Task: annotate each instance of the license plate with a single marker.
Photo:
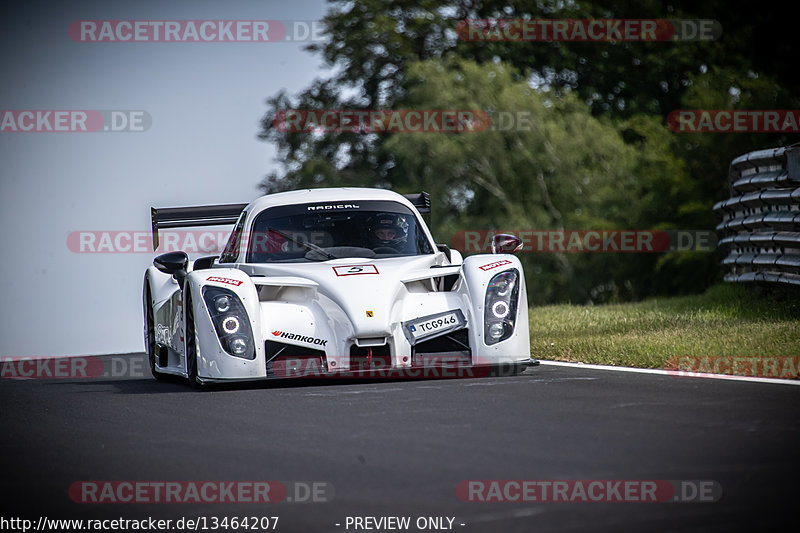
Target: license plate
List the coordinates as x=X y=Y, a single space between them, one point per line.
x=429 y=326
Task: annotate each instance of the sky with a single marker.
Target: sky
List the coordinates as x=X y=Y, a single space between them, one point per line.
x=204 y=102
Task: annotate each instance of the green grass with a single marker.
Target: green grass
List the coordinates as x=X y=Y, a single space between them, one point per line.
x=728 y=320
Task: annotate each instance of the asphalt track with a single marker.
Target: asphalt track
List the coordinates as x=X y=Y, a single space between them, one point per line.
x=401 y=448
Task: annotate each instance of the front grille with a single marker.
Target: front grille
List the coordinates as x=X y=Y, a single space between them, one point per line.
x=370 y=357
x=455 y=341
x=288 y=360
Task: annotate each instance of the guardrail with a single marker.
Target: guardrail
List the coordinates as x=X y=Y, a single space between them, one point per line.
x=761 y=220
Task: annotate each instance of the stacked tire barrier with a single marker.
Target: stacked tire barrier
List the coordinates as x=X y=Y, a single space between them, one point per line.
x=760 y=225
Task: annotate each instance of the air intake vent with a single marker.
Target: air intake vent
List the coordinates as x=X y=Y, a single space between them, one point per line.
x=450 y=349
x=289 y=360
x=370 y=357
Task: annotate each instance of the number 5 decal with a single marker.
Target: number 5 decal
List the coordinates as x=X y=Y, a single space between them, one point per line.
x=355 y=270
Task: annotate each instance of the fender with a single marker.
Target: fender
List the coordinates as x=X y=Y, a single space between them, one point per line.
x=162 y=286
x=477 y=271
x=213 y=361
x=165 y=301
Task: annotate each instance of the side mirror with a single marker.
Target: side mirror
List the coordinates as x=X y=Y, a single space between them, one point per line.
x=204 y=262
x=173 y=263
x=503 y=243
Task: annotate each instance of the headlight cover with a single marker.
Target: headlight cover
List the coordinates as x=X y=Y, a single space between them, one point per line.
x=500 y=307
x=230 y=321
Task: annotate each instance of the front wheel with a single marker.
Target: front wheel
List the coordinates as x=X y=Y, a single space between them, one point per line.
x=150 y=333
x=191 y=346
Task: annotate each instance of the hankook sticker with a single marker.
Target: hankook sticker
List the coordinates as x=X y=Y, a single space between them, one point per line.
x=298 y=337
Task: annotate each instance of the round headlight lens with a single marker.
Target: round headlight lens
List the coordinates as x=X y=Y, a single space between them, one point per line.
x=502 y=285
x=238 y=345
x=230 y=325
x=500 y=309
x=496 y=330
x=222 y=304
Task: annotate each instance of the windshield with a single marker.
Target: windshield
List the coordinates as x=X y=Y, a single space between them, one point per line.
x=332 y=230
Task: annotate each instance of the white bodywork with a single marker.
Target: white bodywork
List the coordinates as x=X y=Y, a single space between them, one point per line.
x=335 y=308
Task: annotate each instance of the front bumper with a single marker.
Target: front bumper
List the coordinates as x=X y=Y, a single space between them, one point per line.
x=442 y=371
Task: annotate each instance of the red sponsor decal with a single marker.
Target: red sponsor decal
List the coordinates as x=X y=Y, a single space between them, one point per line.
x=355 y=270
x=229 y=281
x=177 y=492
x=495 y=264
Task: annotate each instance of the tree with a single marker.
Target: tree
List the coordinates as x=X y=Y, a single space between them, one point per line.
x=392 y=54
x=558 y=168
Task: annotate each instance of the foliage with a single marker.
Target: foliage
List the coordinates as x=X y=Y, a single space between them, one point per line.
x=598 y=154
x=727 y=320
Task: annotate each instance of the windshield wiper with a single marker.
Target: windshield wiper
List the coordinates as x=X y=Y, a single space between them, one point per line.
x=307 y=245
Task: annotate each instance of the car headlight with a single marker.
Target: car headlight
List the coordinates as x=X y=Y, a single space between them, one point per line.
x=222 y=303
x=500 y=306
x=230 y=322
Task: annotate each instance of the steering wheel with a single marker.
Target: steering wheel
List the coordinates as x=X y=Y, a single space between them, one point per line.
x=385 y=250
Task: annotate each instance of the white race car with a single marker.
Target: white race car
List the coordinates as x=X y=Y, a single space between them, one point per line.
x=331 y=282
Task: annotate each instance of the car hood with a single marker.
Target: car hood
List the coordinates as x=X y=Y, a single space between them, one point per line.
x=371 y=292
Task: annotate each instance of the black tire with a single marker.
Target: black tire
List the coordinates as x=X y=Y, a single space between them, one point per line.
x=191 y=343
x=150 y=335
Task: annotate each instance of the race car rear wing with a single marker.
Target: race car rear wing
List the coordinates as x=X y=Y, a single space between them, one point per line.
x=421 y=201
x=219 y=215
x=185 y=217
